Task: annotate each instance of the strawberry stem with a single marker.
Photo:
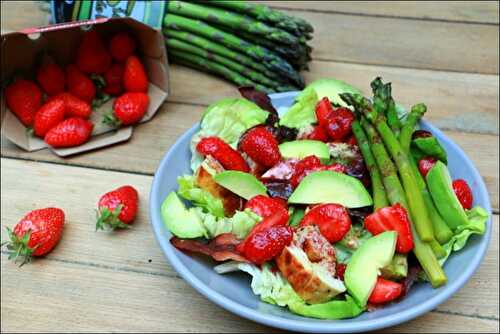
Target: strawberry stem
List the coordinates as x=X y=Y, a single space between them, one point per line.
x=110 y=119
x=109 y=219
x=17 y=247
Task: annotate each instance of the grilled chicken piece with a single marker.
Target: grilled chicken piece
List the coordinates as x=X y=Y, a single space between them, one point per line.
x=205 y=181
x=308 y=263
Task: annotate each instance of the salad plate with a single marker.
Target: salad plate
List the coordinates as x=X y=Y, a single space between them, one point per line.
x=233 y=291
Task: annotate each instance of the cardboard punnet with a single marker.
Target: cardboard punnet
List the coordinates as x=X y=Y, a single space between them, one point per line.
x=23 y=51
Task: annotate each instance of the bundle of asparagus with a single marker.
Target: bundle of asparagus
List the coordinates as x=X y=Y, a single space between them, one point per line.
x=248 y=44
x=381 y=136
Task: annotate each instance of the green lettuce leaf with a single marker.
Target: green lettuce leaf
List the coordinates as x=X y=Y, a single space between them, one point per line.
x=273 y=288
x=199 y=197
x=227 y=119
x=302 y=113
x=477 y=218
x=239 y=224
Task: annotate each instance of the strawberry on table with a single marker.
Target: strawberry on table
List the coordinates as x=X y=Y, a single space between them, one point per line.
x=228 y=157
x=392 y=218
x=117 y=208
x=261 y=146
x=128 y=109
x=71 y=132
x=48 y=116
x=121 y=46
x=134 y=76
x=92 y=55
x=51 y=78
x=23 y=98
x=79 y=84
x=74 y=106
x=114 y=78
x=463 y=192
x=332 y=219
x=265 y=206
x=36 y=234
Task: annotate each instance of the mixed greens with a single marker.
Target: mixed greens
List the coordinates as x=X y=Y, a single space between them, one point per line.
x=335 y=207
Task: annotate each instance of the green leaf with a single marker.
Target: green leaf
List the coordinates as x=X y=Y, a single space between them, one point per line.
x=199 y=197
x=302 y=114
x=239 y=224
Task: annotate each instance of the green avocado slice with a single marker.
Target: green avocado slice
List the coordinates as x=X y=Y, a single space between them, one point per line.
x=180 y=221
x=242 y=184
x=302 y=148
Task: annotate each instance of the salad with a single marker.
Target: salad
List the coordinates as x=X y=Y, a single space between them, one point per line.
x=335 y=207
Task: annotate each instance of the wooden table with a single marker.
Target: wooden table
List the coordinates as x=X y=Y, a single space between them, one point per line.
x=444 y=54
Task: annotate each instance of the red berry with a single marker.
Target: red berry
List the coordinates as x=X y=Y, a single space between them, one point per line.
x=261 y=146
x=340 y=270
x=36 y=234
x=265 y=206
x=134 y=76
x=425 y=165
x=301 y=167
x=48 y=116
x=121 y=46
x=351 y=140
x=74 y=106
x=332 y=219
x=324 y=111
x=228 y=157
x=318 y=133
x=463 y=192
x=392 y=218
x=265 y=245
x=79 y=84
x=51 y=78
x=421 y=134
x=73 y=131
x=339 y=124
x=23 y=98
x=117 y=208
x=130 y=107
x=114 y=78
x=92 y=55
x=385 y=291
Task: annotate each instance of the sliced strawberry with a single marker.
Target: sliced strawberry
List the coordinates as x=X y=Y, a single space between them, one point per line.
x=324 y=111
x=463 y=192
x=385 y=291
x=261 y=146
x=339 y=124
x=392 y=218
x=228 y=157
x=425 y=165
x=332 y=219
x=301 y=167
x=265 y=206
x=318 y=133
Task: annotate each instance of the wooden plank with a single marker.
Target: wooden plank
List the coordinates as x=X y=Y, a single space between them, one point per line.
x=136 y=250
x=152 y=140
x=378 y=40
x=462 y=11
x=456 y=101
x=89 y=299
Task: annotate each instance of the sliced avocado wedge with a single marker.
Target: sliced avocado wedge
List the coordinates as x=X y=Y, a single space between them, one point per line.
x=331 y=88
x=362 y=270
x=180 y=221
x=242 y=184
x=397 y=269
x=332 y=310
x=447 y=203
x=331 y=187
x=302 y=148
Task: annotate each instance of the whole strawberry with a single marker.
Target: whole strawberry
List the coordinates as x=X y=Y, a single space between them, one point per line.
x=114 y=80
x=92 y=55
x=36 y=234
x=71 y=132
x=79 y=84
x=23 y=98
x=51 y=78
x=128 y=109
x=122 y=46
x=261 y=146
x=117 y=208
x=134 y=76
x=74 y=106
x=48 y=116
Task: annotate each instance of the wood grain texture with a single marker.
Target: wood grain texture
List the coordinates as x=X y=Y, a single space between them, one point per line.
x=461 y=11
x=130 y=251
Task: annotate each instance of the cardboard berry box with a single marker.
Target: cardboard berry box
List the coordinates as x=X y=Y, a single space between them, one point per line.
x=23 y=51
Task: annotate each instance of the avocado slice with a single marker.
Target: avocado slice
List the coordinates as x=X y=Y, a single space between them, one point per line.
x=332 y=310
x=362 y=270
x=331 y=187
x=180 y=221
x=243 y=184
x=397 y=269
x=447 y=203
x=302 y=148
x=331 y=88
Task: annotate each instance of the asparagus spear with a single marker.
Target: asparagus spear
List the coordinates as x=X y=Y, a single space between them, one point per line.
x=383 y=97
x=379 y=196
x=231 y=20
x=396 y=194
x=175 y=44
x=209 y=66
x=293 y=24
x=442 y=232
x=269 y=59
x=418 y=211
